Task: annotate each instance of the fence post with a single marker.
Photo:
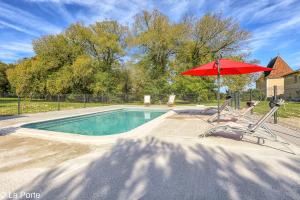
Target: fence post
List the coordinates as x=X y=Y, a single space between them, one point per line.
x=19 y=105
x=84 y=100
x=230 y=94
x=275 y=98
x=250 y=99
x=238 y=99
x=235 y=103
x=58 y=102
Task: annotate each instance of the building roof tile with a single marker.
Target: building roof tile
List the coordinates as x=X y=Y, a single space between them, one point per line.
x=280 y=68
x=293 y=72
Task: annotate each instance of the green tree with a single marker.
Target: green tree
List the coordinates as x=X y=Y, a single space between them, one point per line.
x=60 y=82
x=20 y=77
x=55 y=51
x=211 y=35
x=102 y=83
x=50 y=68
x=109 y=38
x=156 y=39
x=82 y=74
x=80 y=38
x=105 y=43
x=4 y=84
x=205 y=39
x=90 y=59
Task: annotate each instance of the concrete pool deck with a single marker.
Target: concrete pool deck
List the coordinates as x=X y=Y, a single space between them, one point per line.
x=170 y=162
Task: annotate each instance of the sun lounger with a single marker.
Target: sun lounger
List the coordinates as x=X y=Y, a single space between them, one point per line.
x=147 y=100
x=251 y=129
x=171 y=101
x=238 y=115
x=223 y=107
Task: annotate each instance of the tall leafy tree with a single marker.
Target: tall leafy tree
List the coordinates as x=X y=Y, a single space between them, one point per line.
x=60 y=82
x=90 y=59
x=20 y=77
x=206 y=38
x=54 y=55
x=82 y=74
x=156 y=40
x=109 y=38
x=4 y=84
x=55 y=51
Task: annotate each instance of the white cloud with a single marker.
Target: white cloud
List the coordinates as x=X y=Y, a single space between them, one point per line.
x=268 y=33
x=267 y=11
x=222 y=6
x=23 y=20
x=11 y=51
x=256 y=11
x=17 y=47
x=269 y=20
x=99 y=10
x=294 y=59
x=179 y=8
x=66 y=1
x=7 y=56
x=17 y=28
x=92 y=4
x=56 y=9
x=123 y=11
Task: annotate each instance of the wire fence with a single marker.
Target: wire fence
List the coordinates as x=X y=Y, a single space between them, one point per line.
x=14 y=105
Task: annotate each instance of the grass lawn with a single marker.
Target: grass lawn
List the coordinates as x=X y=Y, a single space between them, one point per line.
x=9 y=106
x=289 y=109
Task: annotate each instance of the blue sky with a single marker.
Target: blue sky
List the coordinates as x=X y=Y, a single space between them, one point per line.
x=275 y=24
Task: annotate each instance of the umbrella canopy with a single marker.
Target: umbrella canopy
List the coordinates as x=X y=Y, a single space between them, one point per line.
x=227 y=67
x=224 y=67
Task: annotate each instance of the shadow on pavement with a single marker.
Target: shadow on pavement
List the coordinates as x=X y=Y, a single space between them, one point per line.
x=155 y=169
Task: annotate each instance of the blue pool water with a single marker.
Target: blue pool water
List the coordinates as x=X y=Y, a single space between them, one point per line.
x=103 y=123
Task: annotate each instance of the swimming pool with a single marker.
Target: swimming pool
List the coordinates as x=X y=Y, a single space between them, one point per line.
x=102 y=123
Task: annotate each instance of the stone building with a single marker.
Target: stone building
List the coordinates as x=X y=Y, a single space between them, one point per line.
x=268 y=80
x=292 y=85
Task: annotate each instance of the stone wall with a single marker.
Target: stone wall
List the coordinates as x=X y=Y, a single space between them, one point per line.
x=279 y=82
x=292 y=86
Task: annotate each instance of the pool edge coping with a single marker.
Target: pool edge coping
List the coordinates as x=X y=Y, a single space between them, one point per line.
x=138 y=132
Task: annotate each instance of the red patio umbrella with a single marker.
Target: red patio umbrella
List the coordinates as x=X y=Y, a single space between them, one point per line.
x=224 y=67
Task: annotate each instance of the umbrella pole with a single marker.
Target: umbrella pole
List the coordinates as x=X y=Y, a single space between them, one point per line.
x=218 y=95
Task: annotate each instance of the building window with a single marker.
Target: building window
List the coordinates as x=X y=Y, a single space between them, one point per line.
x=295 y=79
